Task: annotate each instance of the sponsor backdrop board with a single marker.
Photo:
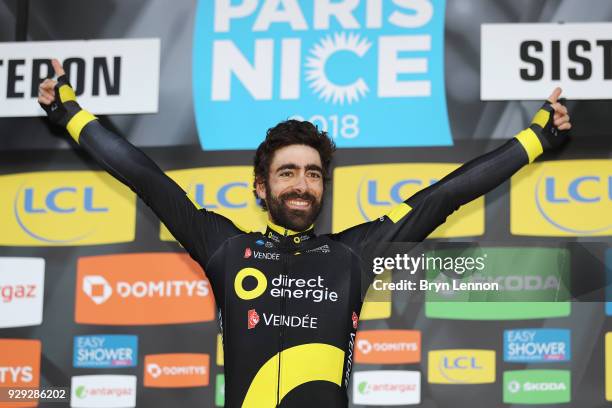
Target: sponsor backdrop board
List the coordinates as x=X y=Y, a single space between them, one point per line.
x=105 y=351
x=96 y=295
x=532 y=282
x=110 y=391
x=537 y=387
x=20 y=360
x=147 y=289
x=461 y=366
x=22 y=281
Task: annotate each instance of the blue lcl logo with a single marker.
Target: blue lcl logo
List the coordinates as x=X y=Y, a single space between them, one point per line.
x=222 y=196
x=55 y=201
x=575 y=190
x=461 y=363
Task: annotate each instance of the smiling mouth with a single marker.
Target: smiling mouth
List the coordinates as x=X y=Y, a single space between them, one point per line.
x=297 y=204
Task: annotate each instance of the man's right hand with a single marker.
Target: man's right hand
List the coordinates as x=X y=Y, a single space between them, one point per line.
x=46 y=91
x=58 y=98
x=59 y=101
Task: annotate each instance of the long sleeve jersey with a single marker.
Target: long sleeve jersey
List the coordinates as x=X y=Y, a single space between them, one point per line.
x=289 y=301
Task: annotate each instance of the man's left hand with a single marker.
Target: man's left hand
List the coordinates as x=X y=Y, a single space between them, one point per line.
x=552 y=122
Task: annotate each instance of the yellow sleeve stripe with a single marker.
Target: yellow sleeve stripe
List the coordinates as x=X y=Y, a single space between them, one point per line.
x=398 y=212
x=77 y=123
x=66 y=93
x=541 y=118
x=530 y=143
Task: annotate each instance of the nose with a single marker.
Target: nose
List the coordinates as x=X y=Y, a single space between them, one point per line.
x=300 y=185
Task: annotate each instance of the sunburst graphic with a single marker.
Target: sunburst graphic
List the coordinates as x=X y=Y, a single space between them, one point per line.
x=315 y=68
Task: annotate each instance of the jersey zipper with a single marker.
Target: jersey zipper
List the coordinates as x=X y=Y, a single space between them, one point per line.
x=282 y=326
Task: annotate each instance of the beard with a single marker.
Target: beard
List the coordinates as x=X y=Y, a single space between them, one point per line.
x=293 y=219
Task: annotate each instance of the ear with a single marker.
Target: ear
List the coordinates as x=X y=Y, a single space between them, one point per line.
x=260 y=188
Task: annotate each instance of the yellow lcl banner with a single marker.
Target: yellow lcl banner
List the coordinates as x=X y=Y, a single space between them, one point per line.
x=65 y=208
x=364 y=193
x=228 y=191
x=563 y=198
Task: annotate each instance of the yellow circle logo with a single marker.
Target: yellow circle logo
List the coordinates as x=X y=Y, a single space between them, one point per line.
x=262 y=283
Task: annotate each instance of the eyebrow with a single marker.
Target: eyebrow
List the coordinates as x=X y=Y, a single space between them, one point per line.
x=293 y=166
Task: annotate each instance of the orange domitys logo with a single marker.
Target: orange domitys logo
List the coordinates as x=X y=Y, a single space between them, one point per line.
x=65 y=208
x=388 y=347
x=19 y=366
x=176 y=370
x=142 y=289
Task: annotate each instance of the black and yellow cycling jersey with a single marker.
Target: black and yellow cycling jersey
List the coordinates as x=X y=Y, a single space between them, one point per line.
x=289 y=302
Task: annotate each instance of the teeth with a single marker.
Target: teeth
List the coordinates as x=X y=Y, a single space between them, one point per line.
x=298 y=203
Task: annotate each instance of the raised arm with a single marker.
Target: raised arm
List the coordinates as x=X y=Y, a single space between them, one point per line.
x=415 y=218
x=199 y=231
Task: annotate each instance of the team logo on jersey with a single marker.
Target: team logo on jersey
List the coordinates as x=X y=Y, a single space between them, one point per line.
x=313 y=289
x=307 y=321
x=270 y=256
x=252 y=319
x=355 y=320
x=323 y=249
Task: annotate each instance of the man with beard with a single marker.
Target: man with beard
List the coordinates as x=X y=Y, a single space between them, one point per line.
x=289 y=299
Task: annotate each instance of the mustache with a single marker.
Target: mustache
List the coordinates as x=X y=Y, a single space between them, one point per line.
x=294 y=195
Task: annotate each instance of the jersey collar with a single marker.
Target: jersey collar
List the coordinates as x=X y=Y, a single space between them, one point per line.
x=281 y=234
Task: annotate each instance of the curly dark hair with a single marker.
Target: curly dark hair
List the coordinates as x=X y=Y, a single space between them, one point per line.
x=286 y=133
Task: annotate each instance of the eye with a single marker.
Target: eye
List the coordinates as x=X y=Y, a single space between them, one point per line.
x=286 y=173
x=314 y=174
